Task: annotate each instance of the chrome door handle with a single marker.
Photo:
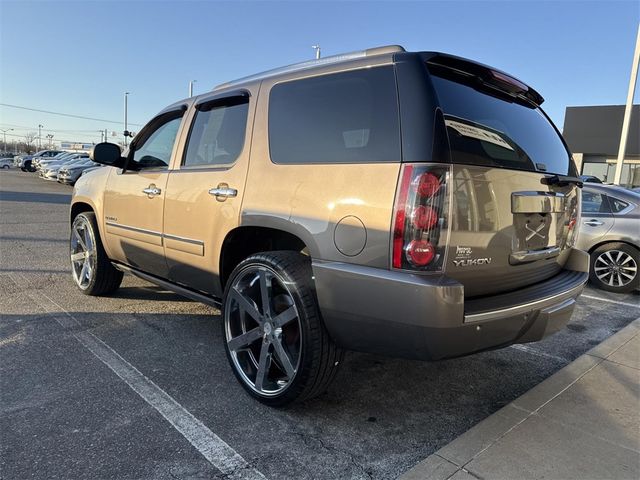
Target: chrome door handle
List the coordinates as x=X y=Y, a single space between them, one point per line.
x=223 y=191
x=152 y=190
x=593 y=223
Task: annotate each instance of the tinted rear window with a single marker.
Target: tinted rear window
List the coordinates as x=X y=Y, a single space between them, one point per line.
x=349 y=117
x=490 y=131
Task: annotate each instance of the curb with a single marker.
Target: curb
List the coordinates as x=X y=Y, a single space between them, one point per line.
x=449 y=462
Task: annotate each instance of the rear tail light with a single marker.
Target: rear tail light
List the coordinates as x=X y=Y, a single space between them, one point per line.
x=420 y=218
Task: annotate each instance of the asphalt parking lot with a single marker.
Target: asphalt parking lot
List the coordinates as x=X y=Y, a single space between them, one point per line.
x=66 y=413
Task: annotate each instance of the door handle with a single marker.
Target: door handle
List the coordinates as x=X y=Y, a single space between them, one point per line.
x=223 y=191
x=152 y=190
x=594 y=223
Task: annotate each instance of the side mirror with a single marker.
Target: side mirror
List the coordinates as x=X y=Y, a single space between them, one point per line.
x=107 y=154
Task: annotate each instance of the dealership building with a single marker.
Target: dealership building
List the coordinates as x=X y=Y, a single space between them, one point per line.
x=593 y=135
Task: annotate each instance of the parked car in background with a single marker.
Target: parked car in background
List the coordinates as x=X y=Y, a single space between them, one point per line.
x=50 y=172
x=590 y=179
x=610 y=233
x=451 y=235
x=69 y=174
x=6 y=162
x=21 y=160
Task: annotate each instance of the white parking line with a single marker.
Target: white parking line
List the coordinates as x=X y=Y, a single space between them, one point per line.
x=626 y=304
x=538 y=353
x=213 y=448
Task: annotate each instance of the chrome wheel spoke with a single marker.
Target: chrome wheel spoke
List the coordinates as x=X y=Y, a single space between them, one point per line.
x=262 y=365
x=611 y=260
x=244 y=340
x=83 y=272
x=245 y=305
x=77 y=257
x=79 y=239
x=284 y=358
x=285 y=317
x=265 y=293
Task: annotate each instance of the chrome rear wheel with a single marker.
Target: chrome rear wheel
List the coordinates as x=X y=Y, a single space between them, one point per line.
x=615 y=268
x=262 y=327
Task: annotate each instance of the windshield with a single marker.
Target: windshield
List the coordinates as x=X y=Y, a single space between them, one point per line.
x=496 y=132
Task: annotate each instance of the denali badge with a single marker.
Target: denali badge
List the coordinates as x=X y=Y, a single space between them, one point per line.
x=472 y=261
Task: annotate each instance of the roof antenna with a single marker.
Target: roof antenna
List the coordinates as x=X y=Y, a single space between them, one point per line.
x=317 y=49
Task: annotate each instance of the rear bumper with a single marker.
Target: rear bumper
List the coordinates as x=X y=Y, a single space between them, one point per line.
x=426 y=317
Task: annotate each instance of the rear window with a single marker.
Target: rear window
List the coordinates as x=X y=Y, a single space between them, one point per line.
x=490 y=131
x=347 y=117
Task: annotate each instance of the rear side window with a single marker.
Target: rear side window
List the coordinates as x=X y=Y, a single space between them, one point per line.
x=218 y=132
x=617 y=205
x=348 y=117
x=490 y=131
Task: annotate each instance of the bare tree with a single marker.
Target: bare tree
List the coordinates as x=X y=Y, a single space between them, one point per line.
x=28 y=140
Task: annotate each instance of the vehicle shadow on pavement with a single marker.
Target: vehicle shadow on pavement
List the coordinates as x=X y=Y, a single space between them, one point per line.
x=12 y=196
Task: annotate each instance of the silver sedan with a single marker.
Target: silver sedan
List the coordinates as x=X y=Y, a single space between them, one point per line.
x=610 y=232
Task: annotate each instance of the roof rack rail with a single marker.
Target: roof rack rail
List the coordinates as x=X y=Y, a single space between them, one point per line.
x=343 y=57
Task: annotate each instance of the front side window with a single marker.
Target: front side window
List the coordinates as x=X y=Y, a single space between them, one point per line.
x=218 y=132
x=347 y=117
x=154 y=150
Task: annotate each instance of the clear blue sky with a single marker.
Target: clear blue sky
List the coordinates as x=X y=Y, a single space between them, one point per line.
x=79 y=57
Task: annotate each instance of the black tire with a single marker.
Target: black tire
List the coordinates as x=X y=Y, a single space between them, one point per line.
x=611 y=265
x=318 y=358
x=103 y=278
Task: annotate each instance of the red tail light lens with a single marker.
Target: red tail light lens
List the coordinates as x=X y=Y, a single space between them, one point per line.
x=427 y=184
x=424 y=217
x=420 y=252
x=420 y=218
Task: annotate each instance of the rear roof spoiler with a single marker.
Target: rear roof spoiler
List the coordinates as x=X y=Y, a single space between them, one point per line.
x=488 y=75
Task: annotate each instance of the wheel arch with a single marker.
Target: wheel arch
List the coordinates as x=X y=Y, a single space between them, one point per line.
x=604 y=242
x=244 y=241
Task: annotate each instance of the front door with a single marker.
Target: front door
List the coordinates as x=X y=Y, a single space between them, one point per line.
x=204 y=190
x=134 y=198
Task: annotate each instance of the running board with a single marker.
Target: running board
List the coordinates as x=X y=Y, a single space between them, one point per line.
x=185 y=292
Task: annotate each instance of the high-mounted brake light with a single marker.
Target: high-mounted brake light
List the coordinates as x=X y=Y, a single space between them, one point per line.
x=420 y=218
x=508 y=82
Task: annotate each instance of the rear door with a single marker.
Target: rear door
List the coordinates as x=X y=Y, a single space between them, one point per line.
x=205 y=189
x=509 y=226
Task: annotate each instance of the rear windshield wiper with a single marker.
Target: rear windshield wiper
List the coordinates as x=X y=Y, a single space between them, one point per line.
x=561 y=181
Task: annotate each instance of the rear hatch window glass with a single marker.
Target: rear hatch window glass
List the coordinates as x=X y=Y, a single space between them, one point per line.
x=490 y=131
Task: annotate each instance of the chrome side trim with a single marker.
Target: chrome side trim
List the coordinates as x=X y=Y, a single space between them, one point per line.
x=526 y=307
x=183 y=239
x=134 y=229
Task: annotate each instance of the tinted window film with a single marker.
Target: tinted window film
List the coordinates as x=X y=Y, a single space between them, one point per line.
x=349 y=117
x=491 y=131
x=217 y=135
x=155 y=151
x=594 y=203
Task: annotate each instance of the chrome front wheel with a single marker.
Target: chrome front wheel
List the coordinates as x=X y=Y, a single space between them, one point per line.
x=83 y=252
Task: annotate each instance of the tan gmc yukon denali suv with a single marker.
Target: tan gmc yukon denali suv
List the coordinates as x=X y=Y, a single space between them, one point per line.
x=412 y=204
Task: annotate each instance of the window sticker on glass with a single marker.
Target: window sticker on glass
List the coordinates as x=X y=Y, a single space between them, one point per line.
x=477 y=132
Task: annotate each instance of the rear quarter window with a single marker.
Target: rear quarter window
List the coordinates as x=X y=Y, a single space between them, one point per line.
x=347 y=117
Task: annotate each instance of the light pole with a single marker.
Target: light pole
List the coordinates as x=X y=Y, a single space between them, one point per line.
x=50 y=137
x=191 y=87
x=317 y=49
x=126 y=133
x=40 y=136
x=4 y=132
